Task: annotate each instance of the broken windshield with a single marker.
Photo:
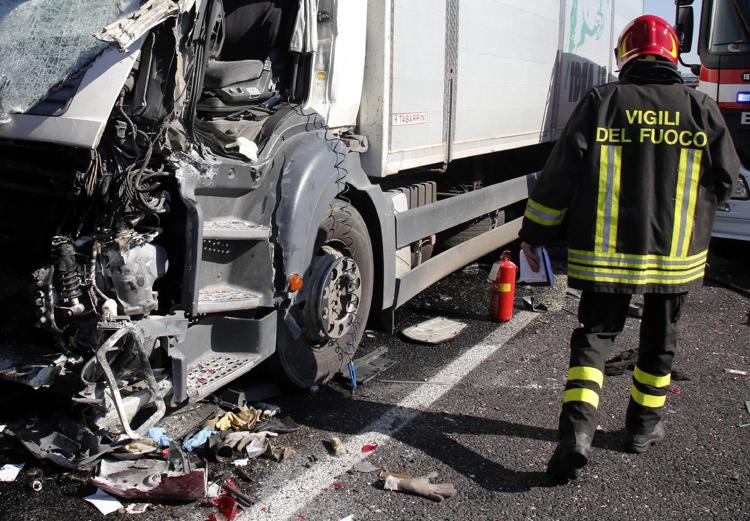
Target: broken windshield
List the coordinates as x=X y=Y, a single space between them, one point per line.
x=730 y=30
x=45 y=42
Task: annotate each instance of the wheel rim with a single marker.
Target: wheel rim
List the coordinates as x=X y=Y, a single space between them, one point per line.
x=336 y=294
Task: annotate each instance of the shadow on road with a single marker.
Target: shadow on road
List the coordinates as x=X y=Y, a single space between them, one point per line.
x=433 y=434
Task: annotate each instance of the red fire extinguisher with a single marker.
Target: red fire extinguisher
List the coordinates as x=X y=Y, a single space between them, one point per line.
x=502 y=289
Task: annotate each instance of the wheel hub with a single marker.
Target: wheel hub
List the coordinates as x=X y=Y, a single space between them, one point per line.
x=337 y=293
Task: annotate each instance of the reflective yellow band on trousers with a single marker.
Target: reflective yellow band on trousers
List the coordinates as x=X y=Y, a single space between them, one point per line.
x=652 y=380
x=581 y=395
x=592 y=374
x=647 y=400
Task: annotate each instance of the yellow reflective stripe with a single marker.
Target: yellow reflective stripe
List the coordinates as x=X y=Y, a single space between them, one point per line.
x=615 y=200
x=637 y=256
x=647 y=400
x=545 y=209
x=693 y=195
x=679 y=196
x=529 y=214
x=543 y=215
x=581 y=395
x=592 y=374
x=650 y=379
x=601 y=201
x=637 y=278
x=665 y=264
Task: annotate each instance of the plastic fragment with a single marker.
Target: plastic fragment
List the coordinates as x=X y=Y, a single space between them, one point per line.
x=338 y=485
x=103 y=502
x=369 y=447
x=675 y=390
x=136 y=508
x=227 y=506
x=198 y=439
x=736 y=371
x=9 y=472
x=364 y=467
x=336 y=446
x=159 y=435
x=350 y=517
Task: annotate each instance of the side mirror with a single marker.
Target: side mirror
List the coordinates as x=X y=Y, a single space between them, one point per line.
x=684 y=27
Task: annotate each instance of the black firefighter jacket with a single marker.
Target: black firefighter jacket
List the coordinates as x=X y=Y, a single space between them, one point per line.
x=636 y=176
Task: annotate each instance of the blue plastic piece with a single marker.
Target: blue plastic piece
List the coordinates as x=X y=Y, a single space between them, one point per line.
x=352 y=375
x=159 y=435
x=198 y=439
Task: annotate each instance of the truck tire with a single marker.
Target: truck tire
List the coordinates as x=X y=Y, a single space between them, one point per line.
x=335 y=303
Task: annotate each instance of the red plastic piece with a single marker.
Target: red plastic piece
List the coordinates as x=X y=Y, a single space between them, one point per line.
x=338 y=486
x=369 y=447
x=503 y=290
x=227 y=507
x=675 y=390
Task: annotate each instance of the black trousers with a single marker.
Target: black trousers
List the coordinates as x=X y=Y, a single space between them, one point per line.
x=602 y=317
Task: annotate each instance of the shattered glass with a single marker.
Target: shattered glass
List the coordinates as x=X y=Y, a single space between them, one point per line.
x=45 y=42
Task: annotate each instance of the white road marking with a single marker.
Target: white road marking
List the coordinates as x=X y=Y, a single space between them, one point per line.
x=291 y=498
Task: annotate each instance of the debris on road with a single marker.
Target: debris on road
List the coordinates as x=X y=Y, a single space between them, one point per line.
x=151 y=478
x=747 y=406
x=336 y=447
x=103 y=502
x=159 y=435
x=383 y=474
x=37 y=485
x=369 y=447
x=618 y=364
x=736 y=372
x=279 y=453
x=245 y=419
x=421 y=486
x=198 y=439
x=434 y=331
x=9 y=472
x=364 y=467
x=350 y=517
x=136 y=508
x=369 y=366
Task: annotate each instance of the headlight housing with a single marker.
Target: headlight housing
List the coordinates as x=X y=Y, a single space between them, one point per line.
x=741 y=190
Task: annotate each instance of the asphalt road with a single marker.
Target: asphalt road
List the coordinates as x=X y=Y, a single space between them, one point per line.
x=482 y=411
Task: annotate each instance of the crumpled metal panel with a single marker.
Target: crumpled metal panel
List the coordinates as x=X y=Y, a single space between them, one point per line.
x=150 y=478
x=45 y=42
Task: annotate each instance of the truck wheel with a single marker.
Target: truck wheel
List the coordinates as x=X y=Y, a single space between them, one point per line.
x=333 y=306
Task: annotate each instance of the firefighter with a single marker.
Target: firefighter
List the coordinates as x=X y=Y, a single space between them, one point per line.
x=636 y=175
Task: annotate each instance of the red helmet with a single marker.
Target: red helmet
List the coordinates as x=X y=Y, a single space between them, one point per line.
x=647 y=34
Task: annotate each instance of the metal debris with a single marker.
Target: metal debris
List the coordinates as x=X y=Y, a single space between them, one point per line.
x=369 y=366
x=150 y=478
x=434 y=331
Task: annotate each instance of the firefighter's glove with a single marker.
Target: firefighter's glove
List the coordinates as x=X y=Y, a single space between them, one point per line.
x=421 y=486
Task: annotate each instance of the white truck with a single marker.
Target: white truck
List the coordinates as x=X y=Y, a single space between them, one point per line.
x=205 y=184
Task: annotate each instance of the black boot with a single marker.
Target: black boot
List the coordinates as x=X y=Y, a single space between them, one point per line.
x=570 y=456
x=640 y=443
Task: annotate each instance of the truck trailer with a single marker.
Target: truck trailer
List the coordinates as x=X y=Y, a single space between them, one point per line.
x=190 y=188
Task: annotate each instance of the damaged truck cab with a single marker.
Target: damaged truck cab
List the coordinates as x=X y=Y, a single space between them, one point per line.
x=191 y=187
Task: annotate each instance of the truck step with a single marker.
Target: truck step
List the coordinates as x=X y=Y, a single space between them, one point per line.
x=235 y=229
x=222 y=297
x=214 y=370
